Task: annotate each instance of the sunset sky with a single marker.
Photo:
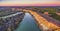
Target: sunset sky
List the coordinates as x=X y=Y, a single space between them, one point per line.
x=29 y=2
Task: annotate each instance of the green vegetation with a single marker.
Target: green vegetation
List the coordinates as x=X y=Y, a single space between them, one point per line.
x=54 y=15
x=51 y=11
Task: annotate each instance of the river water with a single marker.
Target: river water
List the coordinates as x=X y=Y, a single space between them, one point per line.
x=28 y=24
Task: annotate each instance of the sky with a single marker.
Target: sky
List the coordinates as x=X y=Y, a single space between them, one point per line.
x=29 y=2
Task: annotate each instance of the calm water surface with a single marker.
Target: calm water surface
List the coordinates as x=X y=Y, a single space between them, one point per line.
x=28 y=24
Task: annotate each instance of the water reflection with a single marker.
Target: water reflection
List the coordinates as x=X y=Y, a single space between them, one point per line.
x=28 y=24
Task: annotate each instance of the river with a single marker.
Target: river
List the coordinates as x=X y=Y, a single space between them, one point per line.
x=28 y=24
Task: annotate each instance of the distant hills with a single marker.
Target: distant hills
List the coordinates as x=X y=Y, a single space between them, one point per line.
x=29 y=6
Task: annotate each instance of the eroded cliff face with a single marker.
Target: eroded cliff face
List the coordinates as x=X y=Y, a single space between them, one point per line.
x=11 y=22
x=43 y=23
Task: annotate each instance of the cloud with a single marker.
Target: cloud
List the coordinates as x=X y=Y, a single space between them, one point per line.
x=29 y=2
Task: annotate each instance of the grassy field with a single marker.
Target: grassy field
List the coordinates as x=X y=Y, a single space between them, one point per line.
x=51 y=11
x=54 y=15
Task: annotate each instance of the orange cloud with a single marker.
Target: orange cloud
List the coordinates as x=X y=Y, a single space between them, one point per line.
x=30 y=4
